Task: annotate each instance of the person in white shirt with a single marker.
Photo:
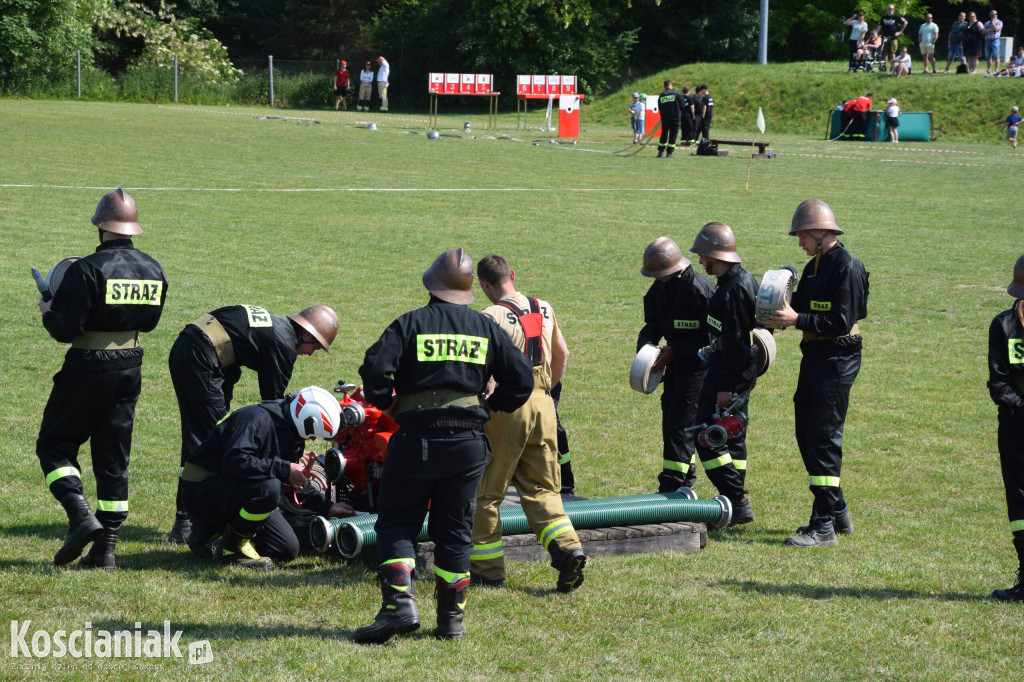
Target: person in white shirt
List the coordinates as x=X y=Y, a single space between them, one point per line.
x=892 y=119
x=383 y=73
x=858 y=27
x=901 y=64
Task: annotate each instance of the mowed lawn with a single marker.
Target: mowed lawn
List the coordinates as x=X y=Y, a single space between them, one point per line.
x=284 y=213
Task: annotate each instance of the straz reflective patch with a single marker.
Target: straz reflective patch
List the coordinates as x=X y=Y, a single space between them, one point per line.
x=686 y=324
x=821 y=305
x=134 y=291
x=715 y=323
x=258 y=317
x=1016 y=351
x=451 y=348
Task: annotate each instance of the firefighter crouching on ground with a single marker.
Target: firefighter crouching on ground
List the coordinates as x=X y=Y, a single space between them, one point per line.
x=100 y=306
x=438 y=360
x=231 y=483
x=1006 y=386
x=674 y=309
x=207 y=358
x=732 y=368
x=525 y=443
x=831 y=296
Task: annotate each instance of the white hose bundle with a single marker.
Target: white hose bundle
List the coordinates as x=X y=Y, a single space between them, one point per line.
x=641 y=379
x=775 y=291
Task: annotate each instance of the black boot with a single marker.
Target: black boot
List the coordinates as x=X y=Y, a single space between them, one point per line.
x=570 y=565
x=398 y=613
x=201 y=539
x=101 y=554
x=1015 y=593
x=237 y=549
x=451 y=602
x=742 y=512
x=83 y=528
x=843 y=522
x=180 y=530
x=820 y=532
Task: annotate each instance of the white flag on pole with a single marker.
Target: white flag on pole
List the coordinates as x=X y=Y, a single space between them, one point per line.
x=760 y=120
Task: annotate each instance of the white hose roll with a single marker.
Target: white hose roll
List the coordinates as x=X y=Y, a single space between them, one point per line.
x=775 y=291
x=641 y=379
x=56 y=273
x=764 y=348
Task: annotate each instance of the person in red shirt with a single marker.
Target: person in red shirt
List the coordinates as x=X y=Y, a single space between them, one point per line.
x=855 y=114
x=341 y=86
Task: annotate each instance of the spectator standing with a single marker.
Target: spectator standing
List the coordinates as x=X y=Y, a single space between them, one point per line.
x=383 y=74
x=365 y=88
x=892 y=119
x=927 y=35
x=636 y=117
x=891 y=27
x=955 y=41
x=973 y=39
x=1010 y=124
x=858 y=27
x=341 y=86
x=993 y=29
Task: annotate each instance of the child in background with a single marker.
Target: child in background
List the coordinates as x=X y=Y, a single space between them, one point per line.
x=636 y=111
x=1011 y=123
x=892 y=119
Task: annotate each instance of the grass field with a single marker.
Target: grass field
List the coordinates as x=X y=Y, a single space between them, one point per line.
x=281 y=213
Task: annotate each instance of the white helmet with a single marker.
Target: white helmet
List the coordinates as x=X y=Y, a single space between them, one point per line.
x=316 y=413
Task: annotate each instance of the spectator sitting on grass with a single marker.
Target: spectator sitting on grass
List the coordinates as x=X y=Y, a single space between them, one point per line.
x=1011 y=70
x=901 y=64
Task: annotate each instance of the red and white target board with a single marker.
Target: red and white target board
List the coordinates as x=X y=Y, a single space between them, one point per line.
x=652 y=115
x=559 y=89
x=462 y=84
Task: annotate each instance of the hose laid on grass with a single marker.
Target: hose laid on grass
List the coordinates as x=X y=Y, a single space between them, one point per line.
x=353 y=535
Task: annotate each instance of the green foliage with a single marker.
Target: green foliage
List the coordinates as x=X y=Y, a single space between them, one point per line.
x=38 y=41
x=505 y=39
x=164 y=35
x=685 y=31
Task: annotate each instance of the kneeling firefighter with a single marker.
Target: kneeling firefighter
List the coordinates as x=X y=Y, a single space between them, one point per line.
x=207 y=358
x=231 y=484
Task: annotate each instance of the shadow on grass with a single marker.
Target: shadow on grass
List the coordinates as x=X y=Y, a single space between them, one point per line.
x=58 y=530
x=826 y=592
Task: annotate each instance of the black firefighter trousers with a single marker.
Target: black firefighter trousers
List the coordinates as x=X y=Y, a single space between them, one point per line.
x=439 y=467
x=827 y=372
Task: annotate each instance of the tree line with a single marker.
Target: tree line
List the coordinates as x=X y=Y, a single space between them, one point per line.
x=603 y=42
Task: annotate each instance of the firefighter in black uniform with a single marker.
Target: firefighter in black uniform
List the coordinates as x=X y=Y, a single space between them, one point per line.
x=831 y=296
x=704 y=107
x=674 y=308
x=231 y=483
x=100 y=306
x=688 y=127
x=732 y=366
x=438 y=360
x=1006 y=386
x=670 y=106
x=207 y=358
